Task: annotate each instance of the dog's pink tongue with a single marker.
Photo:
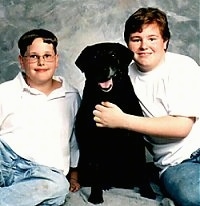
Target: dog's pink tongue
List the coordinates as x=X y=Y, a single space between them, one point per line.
x=106 y=84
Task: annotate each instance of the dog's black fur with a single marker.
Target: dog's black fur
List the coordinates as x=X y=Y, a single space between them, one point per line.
x=109 y=157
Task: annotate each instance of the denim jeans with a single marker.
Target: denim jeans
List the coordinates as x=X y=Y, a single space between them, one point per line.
x=25 y=183
x=182 y=182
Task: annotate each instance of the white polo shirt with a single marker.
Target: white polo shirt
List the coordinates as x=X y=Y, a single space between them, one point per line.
x=39 y=127
x=173 y=88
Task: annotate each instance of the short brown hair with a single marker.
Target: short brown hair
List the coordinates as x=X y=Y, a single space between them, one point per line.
x=147 y=16
x=27 y=39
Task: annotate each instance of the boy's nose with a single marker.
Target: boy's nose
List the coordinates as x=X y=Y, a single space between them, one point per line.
x=41 y=60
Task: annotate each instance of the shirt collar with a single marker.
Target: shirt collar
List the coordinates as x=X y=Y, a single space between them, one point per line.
x=65 y=88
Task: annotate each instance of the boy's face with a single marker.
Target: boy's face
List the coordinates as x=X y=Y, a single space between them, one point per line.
x=39 y=62
x=148 y=47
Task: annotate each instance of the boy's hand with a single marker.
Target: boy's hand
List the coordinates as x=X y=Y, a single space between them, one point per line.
x=74 y=185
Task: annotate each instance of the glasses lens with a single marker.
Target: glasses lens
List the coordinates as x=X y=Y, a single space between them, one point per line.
x=48 y=57
x=34 y=58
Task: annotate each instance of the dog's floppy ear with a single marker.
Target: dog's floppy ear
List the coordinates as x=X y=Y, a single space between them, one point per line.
x=83 y=60
x=124 y=55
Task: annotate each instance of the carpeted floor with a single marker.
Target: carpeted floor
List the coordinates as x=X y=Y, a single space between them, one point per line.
x=116 y=197
x=123 y=197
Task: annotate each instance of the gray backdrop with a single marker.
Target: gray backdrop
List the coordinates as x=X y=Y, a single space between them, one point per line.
x=78 y=23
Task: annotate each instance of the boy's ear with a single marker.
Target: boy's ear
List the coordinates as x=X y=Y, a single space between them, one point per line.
x=165 y=45
x=20 y=60
x=57 y=60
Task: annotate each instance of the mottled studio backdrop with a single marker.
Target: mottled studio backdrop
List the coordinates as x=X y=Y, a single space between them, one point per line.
x=78 y=23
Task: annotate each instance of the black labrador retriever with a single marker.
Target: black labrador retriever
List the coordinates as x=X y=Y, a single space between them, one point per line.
x=109 y=157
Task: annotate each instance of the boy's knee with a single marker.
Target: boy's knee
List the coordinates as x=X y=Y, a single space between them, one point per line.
x=182 y=195
x=181 y=188
x=187 y=196
x=60 y=185
x=54 y=183
x=54 y=191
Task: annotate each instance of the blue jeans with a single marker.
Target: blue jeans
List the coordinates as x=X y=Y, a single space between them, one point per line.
x=25 y=183
x=182 y=182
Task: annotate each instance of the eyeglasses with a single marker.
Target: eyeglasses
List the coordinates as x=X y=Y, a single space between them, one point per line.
x=34 y=58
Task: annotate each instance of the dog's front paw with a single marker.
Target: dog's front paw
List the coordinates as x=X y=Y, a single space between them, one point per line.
x=96 y=196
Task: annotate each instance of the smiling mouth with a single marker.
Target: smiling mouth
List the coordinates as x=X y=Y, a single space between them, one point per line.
x=143 y=54
x=106 y=86
x=40 y=70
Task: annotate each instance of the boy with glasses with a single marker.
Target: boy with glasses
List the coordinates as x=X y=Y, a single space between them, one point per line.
x=37 y=113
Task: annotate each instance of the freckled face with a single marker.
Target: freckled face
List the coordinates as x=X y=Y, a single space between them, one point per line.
x=40 y=71
x=148 y=47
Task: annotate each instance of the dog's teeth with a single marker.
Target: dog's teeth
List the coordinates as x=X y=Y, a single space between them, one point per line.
x=107 y=89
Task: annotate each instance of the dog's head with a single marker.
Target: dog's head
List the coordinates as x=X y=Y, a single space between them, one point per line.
x=103 y=61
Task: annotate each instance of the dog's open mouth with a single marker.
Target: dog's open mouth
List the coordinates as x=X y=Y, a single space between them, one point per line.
x=106 y=86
